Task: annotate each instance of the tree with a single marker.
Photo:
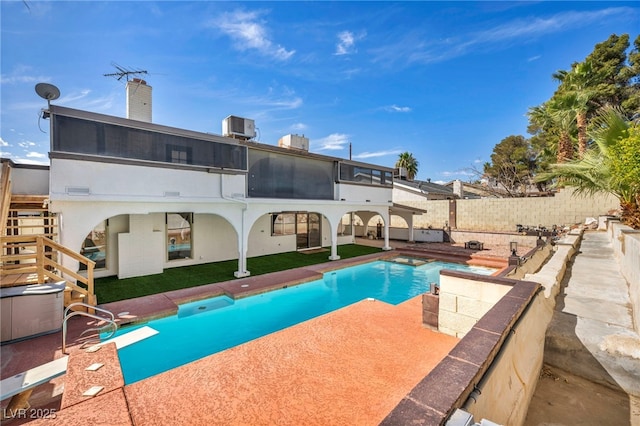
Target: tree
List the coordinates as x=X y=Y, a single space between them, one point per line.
x=409 y=163
x=631 y=73
x=611 y=165
x=556 y=120
x=604 y=78
x=513 y=165
x=575 y=93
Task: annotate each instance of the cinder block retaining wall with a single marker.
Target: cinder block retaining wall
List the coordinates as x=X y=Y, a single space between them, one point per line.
x=493 y=371
x=495 y=238
x=503 y=214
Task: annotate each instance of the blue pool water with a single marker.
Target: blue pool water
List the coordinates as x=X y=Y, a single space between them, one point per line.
x=208 y=326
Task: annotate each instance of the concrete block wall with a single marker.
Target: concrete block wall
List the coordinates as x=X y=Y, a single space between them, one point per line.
x=525 y=242
x=500 y=214
x=626 y=245
x=464 y=299
x=507 y=390
x=497 y=363
x=503 y=214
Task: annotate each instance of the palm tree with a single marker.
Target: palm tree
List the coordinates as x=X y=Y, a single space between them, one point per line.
x=599 y=169
x=576 y=94
x=553 y=116
x=409 y=163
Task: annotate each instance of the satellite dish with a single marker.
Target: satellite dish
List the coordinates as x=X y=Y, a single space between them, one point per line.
x=47 y=91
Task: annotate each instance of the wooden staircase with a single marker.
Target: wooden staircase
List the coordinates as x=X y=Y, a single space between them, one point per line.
x=29 y=251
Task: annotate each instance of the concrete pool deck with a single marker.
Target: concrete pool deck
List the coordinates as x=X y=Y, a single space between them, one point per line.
x=351 y=366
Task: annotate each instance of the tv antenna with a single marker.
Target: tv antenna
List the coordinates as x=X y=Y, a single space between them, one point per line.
x=124 y=72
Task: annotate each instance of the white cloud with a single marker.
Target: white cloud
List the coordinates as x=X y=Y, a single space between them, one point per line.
x=375 y=154
x=22 y=74
x=82 y=100
x=534 y=58
x=333 y=142
x=298 y=127
x=457 y=173
x=3 y=142
x=250 y=33
x=416 y=47
x=276 y=99
x=34 y=154
x=347 y=42
x=396 y=108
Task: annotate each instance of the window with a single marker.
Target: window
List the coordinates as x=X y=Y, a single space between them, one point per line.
x=273 y=175
x=94 y=246
x=90 y=137
x=365 y=175
x=178 y=154
x=345 y=228
x=179 y=235
x=283 y=224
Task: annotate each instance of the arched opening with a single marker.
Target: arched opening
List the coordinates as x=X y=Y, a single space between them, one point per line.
x=95 y=245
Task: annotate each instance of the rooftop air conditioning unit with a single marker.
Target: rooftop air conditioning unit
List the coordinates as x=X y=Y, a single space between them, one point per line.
x=400 y=173
x=294 y=141
x=238 y=127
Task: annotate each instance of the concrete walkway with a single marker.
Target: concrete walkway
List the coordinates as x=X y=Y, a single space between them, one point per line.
x=591 y=338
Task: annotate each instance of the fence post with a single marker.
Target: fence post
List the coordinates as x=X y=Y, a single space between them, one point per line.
x=40 y=258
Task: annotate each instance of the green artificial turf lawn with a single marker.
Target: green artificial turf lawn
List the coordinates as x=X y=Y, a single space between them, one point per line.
x=112 y=289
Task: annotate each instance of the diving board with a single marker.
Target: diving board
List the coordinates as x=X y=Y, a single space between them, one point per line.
x=33 y=377
x=128 y=338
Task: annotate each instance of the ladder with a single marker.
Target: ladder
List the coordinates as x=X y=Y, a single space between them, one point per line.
x=69 y=312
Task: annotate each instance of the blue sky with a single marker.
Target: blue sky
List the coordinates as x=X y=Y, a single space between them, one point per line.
x=445 y=81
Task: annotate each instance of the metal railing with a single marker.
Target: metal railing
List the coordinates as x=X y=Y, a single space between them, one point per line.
x=68 y=315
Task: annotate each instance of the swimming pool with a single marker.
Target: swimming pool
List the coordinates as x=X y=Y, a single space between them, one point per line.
x=208 y=326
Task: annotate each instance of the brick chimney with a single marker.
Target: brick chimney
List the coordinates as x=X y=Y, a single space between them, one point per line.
x=138 y=100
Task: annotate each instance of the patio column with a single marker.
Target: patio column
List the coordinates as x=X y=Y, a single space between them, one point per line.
x=386 y=235
x=410 y=222
x=243 y=243
x=387 y=222
x=334 y=236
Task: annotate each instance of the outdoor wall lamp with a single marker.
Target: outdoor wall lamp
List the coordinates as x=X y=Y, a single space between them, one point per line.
x=514 y=260
x=513 y=246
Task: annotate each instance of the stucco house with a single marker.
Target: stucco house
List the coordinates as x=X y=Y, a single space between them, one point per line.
x=138 y=197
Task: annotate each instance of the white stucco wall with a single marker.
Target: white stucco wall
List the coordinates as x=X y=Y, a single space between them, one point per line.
x=362 y=193
x=29 y=181
x=124 y=183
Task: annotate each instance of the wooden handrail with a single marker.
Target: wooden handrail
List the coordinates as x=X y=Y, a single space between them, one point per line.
x=46 y=259
x=5 y=194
